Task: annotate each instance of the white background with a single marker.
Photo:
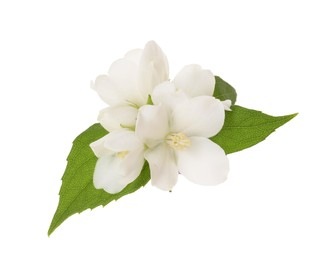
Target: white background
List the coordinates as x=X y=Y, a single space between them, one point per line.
x=273 y=204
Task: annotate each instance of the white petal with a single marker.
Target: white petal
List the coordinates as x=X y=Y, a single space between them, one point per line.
x=164 y=172
x=120 y=86
x=166 y=93
x=152 y=124
x=124 y=74
x=227 y=104
x=204 y=162
x=117 y=141
x=199 y=116
x=161 y=91
x=108 y=174
x=122 y=141
x=102 y=86
x=117 y=117
x=132 y=165
x=99 y=148
x=195 y=81
x=153 y=68
x=134 y=55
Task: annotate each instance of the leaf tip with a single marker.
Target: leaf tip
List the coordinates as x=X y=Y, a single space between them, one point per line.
x=50 y=231
x=290 y=117
x=294 y=115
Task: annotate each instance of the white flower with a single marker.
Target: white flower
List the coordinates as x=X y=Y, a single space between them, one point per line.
x=121 y=159
x=177 y=141
x=172 y=135
x=128 y=83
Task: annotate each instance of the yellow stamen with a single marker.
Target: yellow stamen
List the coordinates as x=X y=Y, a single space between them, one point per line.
x=122 y=154
x=178 y=141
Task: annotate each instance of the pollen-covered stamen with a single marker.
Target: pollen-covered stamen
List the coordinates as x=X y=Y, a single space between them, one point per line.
x=178 y=141
x=122 y=154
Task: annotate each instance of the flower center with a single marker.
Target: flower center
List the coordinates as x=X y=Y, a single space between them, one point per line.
x=122 y=154
x=178 y=141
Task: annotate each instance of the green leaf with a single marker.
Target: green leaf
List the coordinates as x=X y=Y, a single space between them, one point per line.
x=77 y=192
x=244 y=128
x=224 y=90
